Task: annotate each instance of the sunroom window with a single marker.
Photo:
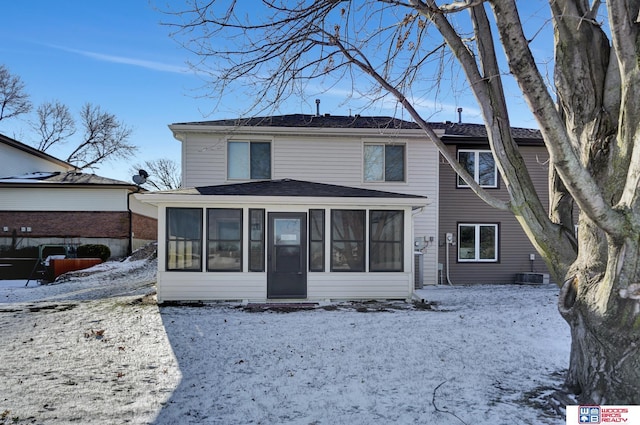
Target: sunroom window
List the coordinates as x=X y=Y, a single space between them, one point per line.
x=224 y=239
x=347 y=240
x=256 y=240
x=316 y=240
x=184 y=239
x=386 y=241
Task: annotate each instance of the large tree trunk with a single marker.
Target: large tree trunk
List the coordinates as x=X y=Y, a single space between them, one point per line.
x=597 y=299
x=601 y=304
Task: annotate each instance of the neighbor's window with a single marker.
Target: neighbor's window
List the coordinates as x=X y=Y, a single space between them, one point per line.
x=347 y=240
x=224 y=239
x=248 y=160
x=184 y=239
x=384 y=163
x=478 y=242
x=386 y=241
x=316 y=240
x=481 y=165
x=256 y=236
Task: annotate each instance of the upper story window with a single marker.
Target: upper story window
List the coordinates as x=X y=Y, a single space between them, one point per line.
x=248 y=160
x=384 y=162
x=481 y=165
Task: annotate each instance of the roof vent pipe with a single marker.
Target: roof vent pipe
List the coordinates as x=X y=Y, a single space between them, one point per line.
x=317 y=107
x=459 y=115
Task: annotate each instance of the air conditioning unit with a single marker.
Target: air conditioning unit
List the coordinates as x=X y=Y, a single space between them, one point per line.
x=418 y=271
x=532 y=278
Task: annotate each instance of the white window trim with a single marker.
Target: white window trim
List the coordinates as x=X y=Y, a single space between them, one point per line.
x=476 y=170
x=477 y=243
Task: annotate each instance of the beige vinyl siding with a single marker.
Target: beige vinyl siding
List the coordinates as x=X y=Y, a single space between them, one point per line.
x=252 y=287
x=204 y=160
x=325 y=160
x=62 y=199
x=344 y=286
x=461 y=205
x=332 y=159
x=211 y=286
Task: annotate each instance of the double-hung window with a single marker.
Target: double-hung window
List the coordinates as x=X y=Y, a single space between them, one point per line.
x=184 y=239
x=477 y=242
x=384 y=162
x=248 y=160
x=481 y=165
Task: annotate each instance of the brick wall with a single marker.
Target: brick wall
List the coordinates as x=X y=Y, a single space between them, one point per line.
x=145 y=227
x=67 y=224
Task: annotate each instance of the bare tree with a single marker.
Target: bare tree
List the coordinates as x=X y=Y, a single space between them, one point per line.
x=164 y=173
x=589 y=124
x=54 y=125
x=14 y=100
x=104 y=138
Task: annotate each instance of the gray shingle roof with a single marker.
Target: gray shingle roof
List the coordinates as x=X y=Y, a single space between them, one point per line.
x=453 y=132
x=303 y=120
x=457 y=131
x=70 y=178
x=289 y=187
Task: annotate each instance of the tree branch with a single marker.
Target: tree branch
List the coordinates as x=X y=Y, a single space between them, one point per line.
x=433 y=403
x=365 y=66
x=580 y=183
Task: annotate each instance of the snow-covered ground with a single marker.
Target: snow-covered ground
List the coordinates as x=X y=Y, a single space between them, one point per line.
x=96 y=349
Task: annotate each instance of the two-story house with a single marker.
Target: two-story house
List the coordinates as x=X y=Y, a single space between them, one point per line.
x=479 y=244
x=311 y=207
x=319 y=207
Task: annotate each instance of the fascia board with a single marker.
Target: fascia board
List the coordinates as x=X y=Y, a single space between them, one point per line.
x=179 y=129
x=205 y=200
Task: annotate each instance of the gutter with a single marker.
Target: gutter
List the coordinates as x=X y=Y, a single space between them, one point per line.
x=130 y=243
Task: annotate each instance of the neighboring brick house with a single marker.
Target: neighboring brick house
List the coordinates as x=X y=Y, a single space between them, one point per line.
x=489 y=246
x=43 y=200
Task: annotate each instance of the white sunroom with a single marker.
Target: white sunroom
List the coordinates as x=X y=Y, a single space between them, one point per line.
x=284 y=240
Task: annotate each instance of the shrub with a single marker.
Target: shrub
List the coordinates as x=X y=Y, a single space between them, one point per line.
x=94 y=251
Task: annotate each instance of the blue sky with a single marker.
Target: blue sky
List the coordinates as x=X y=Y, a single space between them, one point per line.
x=117 y=55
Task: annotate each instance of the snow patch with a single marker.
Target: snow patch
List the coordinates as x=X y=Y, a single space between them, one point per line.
x=96 y=347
